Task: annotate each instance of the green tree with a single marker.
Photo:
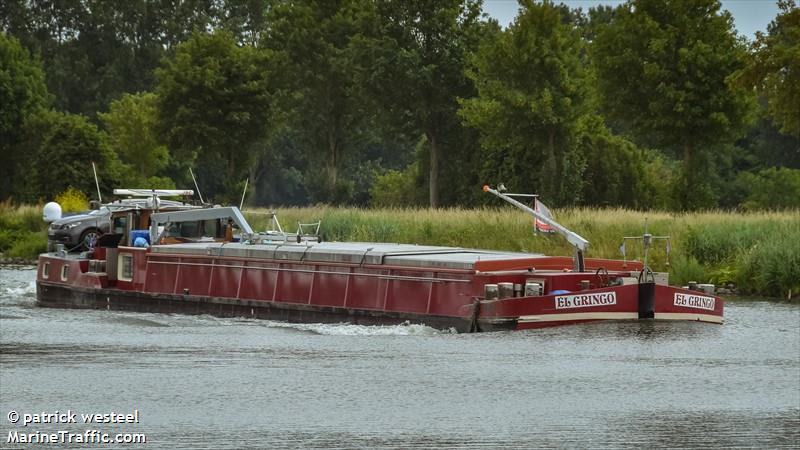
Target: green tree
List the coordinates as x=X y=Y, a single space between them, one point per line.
x=245 y=19
x=214 y=104
x=396 y=188
x=65 y=145
x=663 y=69
x=773 y=188
x=327 y=108
x=773 y=68
x=131 y=125
x=22 y=93
x=532 y=94
x=766 y=146
x=94 y=51
x=614 y=168
x=414 y=68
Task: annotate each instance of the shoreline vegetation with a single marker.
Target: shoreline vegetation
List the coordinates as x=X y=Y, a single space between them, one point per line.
x=758 y=253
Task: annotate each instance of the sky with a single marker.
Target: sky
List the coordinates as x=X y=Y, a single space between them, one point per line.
x=749 y=15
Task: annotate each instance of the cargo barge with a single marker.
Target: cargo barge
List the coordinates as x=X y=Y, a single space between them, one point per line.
x=296 y=278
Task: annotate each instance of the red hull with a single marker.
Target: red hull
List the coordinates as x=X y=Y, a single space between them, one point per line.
x=361 y=289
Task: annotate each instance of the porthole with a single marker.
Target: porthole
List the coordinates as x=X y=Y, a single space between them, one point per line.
x=46 y=270
x=64 y=272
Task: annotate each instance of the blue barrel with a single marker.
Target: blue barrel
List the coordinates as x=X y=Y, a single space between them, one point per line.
x=145 y=234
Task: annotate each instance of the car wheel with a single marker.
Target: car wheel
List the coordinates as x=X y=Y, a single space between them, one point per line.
x=89 y=238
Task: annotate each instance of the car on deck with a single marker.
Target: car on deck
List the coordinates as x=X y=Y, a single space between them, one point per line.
x=80 y=231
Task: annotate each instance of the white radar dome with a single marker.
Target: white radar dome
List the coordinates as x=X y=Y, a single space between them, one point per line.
x=52 y=212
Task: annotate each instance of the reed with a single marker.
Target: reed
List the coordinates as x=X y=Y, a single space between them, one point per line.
x=22 y=231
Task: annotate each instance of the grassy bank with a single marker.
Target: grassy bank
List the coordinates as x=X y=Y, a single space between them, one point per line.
x=758 y=252
x=23 y=233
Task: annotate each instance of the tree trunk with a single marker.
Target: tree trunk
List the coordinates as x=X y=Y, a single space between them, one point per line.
x=551 y=175
x=333 y=150
x=685 y=191
x=434 y=170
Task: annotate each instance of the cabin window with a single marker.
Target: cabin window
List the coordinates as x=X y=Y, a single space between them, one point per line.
x=64 y=272
x=211 y=228
x=190 y=229
x=120 y=225
x=125 y=264
x=46 y=270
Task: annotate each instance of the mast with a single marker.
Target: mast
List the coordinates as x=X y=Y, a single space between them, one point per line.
x=578 y=242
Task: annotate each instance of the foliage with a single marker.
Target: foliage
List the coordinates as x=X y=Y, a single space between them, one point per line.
x=759 y=257
x=72 y=200
x=95 y=51
x=339 y=101
x=663 y=68
x=28 y=245
x=413 y=66
x=278 y=177
x=23 y=93
x=325 y=105
x=772 y=266
x=22 y=230
x=773 y=67
x=765 y=146
x=661 y=174
x=214 y=106
x=532 y=92
x=615 y=168
x=22 y=86
x=684 y=269
x=773 y=188
x=65 y=145
x=131 y=123
x=397 y=188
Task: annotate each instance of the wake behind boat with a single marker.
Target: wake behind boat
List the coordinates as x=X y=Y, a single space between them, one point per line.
x=188 y=261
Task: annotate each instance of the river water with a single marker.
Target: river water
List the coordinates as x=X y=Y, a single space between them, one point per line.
x=205 y=382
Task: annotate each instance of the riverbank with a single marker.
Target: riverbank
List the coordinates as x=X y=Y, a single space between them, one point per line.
x=23 y=233
x=755 y=253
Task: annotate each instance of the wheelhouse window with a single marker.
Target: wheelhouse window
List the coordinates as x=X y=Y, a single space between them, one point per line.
x=120 y=224
x=211 y=228
x=64 y=272
x=46 y=270
x=125 y=264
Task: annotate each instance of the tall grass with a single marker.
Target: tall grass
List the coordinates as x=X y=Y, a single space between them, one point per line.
x=22 y=231
x=757 y=251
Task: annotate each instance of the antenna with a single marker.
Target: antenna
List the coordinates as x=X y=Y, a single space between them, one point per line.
x=97 y=183
x=244 y=192
x=196 y=186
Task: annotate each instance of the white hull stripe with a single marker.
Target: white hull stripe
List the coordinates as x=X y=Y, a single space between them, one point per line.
x=689 y=316
x=578 y=316
x=616 y=316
